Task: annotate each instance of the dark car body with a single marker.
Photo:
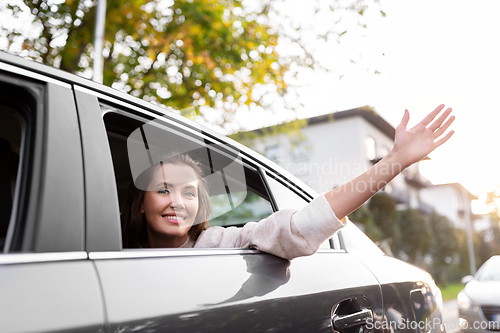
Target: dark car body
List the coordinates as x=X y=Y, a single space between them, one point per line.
x=63 y=267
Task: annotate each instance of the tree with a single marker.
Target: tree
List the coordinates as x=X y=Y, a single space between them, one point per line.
x=208 y=58
x=464 y=260
x=364 y=216
x=444 y=248
x=416 y=234
x=492 y=236
x=428 y=240
x=187 y=53
x=383 y=209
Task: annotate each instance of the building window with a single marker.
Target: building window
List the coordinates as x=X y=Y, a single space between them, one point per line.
x=273 y=153
x=300 y=152
x=371 y=152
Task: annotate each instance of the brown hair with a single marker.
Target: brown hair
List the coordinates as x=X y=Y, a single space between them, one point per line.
x=133 y=221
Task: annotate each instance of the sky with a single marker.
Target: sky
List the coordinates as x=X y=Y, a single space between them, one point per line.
x=428 y=53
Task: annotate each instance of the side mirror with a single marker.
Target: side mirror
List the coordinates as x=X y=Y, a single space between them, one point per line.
x=466 y=279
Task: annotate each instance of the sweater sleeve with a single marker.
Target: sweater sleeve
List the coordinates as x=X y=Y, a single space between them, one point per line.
x=287 y=233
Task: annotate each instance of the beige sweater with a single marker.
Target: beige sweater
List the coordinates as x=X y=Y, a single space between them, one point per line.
x=287 y=233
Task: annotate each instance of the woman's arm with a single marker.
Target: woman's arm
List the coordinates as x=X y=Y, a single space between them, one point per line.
x=410 y=146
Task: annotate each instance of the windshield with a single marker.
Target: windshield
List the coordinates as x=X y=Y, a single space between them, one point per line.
x=490 y=271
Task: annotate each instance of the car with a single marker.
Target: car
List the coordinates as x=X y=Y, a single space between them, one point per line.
x=479 y=301
x=64 y=175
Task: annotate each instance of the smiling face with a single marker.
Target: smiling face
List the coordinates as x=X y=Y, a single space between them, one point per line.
x=170 y=205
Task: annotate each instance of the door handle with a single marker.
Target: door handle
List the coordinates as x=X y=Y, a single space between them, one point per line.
x=352 y=315
x=354 y=319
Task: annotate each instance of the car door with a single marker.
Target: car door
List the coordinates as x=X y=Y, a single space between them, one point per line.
x=412 y=301
x=352 y=286
x=47 y=283
x=207 y=290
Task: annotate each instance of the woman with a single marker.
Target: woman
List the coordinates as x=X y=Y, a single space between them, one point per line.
x=143 y=222
x=173 y=212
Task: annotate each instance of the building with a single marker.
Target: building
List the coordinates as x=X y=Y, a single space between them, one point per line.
x=333 y=149
x=450 y=200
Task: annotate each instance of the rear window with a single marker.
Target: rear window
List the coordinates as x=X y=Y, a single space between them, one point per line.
x=14 y=114
x=490 y=271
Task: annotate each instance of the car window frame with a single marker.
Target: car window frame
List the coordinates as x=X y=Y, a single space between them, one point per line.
x=251 y=158
x=200 y=137
x=125 y=108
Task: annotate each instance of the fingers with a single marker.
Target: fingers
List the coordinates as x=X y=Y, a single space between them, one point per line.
x=444 y=139
x=443 y=128
x=431 y=116
x=435 y=125
x=406 y=118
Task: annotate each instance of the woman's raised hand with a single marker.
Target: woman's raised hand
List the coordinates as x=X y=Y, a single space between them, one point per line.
x=412 y=145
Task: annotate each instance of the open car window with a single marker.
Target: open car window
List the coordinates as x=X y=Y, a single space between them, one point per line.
x=236 y=189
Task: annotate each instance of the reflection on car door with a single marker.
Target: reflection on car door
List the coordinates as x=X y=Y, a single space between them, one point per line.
x=229 y=290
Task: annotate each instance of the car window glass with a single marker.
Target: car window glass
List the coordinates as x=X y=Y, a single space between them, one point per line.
x=252 y=208
x=490 y=271
x=285 y=198
x=12 y=133
x=236 y=189
x=326 y=245
x=354 y=240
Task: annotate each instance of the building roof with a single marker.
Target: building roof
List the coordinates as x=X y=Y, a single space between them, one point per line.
x=459 y=187
x=365 y=112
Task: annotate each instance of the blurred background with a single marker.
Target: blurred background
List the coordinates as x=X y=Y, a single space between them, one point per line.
x=316 y=86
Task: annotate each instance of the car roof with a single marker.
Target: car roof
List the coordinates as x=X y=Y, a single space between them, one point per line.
x=60 y=75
